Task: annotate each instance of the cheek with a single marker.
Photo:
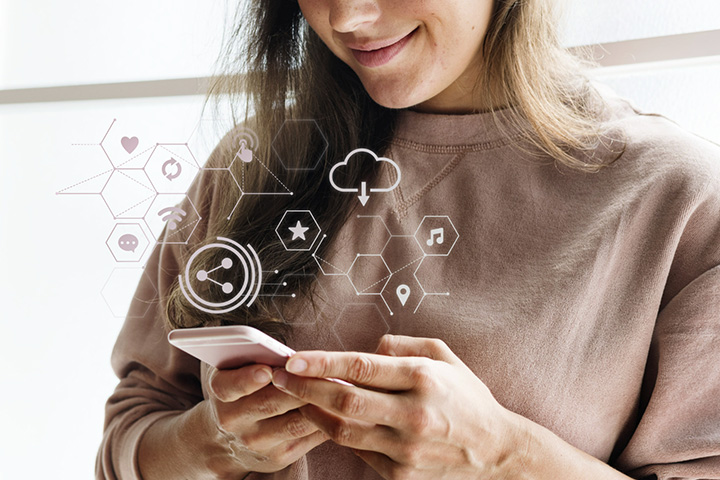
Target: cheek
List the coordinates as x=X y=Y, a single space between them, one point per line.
x=317 y=15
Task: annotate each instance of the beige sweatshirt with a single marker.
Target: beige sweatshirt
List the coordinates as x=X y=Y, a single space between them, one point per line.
x=588 y=303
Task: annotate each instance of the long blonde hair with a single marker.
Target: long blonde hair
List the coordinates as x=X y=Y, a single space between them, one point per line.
x=288 y=73
x=532 y=75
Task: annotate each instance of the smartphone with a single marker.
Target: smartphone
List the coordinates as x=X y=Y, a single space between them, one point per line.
x=231 y=346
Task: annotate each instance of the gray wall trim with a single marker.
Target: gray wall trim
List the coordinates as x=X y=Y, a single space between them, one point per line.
x=102 y=91
x=657 y=49
x=629 y=53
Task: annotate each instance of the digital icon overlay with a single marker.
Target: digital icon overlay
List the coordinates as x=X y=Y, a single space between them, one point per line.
x=436 y=235
x=403 y=292
x=173 y=216
x=298 y=230
x=247 y=267
x=391 y=273
x=171 y=169
x=289 y=132
x=129 y=144
x=143 y=181
x=247 y=141
x=127 y=242
x=363 y=190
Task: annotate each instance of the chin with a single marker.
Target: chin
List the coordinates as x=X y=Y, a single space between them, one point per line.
x=395 y=96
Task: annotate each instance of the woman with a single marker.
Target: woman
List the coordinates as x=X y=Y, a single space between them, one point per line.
x=580 y=336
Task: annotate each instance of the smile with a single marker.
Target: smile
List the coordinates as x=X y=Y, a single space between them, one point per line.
x=376 y=57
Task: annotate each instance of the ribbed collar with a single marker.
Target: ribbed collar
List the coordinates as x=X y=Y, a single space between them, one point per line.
x=473 y=130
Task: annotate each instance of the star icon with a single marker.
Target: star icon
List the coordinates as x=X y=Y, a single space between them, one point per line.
x=298 y=231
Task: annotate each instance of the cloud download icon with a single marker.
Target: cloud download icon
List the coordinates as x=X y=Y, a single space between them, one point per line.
x=363 y=190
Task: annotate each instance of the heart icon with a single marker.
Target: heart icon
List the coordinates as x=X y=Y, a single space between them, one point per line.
x=129 y=144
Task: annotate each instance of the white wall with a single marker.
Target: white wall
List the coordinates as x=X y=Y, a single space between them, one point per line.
x=46 y=42
x=56 y=327
x=589 y=22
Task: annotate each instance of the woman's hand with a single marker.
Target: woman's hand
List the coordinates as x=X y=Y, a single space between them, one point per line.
x=423 y=415
x=260 y=424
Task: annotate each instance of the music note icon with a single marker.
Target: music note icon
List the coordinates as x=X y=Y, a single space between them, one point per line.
x=436 y=232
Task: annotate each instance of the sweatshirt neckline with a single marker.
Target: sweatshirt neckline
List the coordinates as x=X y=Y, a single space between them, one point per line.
x=476 y=131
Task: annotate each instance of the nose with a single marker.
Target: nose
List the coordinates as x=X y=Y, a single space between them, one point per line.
x=348 y=15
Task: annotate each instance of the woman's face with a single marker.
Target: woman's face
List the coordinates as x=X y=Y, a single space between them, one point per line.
x=407 y=53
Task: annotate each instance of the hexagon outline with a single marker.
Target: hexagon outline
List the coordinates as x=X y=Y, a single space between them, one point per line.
x=199 y=219
x=242 y=193
x=342 y=312
x=457 y=236
x=194 y=160
x=151 y=198
x=120 y=166
x=390 y=234
x=317 y=261
x=141 y=253
x=147 y=304
x=319 y=159
x=387 y=279
x=425 y=292
x=314 y=239
x=279 y=286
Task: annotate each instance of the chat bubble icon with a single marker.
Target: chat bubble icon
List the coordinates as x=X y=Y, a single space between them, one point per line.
x=128 y=242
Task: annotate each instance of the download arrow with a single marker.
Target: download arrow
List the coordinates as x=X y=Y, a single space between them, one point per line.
x=364 y=197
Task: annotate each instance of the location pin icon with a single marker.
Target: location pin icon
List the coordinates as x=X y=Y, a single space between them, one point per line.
x=403 y=292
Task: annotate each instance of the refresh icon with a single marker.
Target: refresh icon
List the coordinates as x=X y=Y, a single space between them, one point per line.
x=166 y=167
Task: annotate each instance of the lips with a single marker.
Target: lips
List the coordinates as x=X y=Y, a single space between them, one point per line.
x=371 y=56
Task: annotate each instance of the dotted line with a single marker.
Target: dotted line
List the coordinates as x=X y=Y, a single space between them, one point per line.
x=325 y=261
x=242 y=186
x=276 y=178
x=391 y=274
x=85 y=144
x=130 y=178
x=178 y=156
x=86 y=180
x=136 y=156
x=141 y=201
x=177 y=231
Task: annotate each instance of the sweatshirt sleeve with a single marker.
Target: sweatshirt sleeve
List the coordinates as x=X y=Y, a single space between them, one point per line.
x=156 y=379
x=677 y=436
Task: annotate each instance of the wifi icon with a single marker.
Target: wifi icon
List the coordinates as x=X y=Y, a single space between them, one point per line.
x=173 y=216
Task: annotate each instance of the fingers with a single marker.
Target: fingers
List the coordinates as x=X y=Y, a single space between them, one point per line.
x=291 y=425
x=278 y=451
x=292 y=450
x=349 y=432
x=348 y=401
x=378 y=371
x=231 y=385
x=268 y=402
x=286 y=429
x=403 y=346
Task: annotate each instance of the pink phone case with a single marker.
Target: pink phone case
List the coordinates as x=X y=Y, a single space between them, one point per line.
x=231 y=346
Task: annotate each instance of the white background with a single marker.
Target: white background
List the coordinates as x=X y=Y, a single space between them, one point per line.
x=56 y=329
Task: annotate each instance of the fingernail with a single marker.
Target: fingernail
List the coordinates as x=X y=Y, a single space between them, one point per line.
x=280 y=379
x=262 y=375
x=296 y=365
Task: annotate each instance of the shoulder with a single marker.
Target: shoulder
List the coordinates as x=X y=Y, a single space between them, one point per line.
x=658 y=152
x=670 y=181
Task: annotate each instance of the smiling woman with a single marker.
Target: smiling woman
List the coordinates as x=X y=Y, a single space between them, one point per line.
x=408 y=53
x=583 y=277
